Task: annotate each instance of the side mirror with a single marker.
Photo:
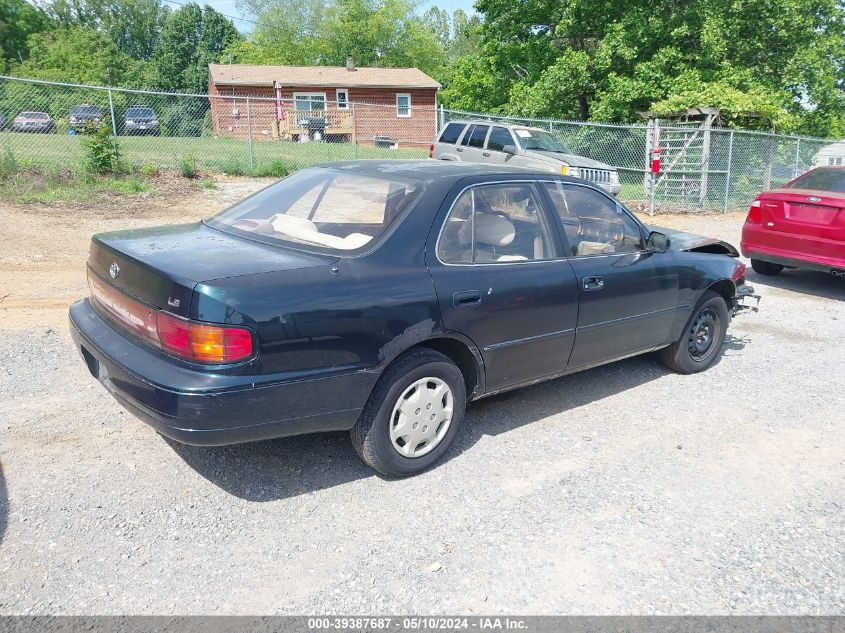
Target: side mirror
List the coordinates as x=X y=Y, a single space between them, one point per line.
x=509 y=149
x=658 y=242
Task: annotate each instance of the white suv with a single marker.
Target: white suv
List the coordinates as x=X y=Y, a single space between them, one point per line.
x=504 y=144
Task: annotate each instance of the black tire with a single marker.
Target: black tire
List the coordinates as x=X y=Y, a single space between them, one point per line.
x=371 y=435
x=700 y=344
x=765 y=268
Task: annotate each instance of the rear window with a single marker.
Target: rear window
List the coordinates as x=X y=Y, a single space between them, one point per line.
x=451 y=133
x=821 y=179
x=139 y=112
x=86 y=111
x=34 y=115
x=327 y=209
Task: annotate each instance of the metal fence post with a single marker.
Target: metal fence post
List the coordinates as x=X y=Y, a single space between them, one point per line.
x=442 y=118
x=249 y=135
x=728 y=171
x=797 y=157
x=354 y=131
x=111 y=112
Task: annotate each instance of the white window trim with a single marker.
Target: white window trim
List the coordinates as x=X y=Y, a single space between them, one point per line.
x=345 y=92
x=309 y=95
x=403 y=94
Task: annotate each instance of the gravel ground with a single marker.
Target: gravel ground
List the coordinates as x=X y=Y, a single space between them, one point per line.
x=623 y=489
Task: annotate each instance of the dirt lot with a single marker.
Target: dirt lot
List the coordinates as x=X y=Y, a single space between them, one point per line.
x=624 y=489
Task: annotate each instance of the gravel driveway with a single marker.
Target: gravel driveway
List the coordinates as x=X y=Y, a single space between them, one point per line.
x=623 y=489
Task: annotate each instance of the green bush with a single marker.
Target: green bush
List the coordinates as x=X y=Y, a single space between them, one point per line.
x=147 y=169
x=188 y=166
x=276 y=168
x=207 y=128
x=9 y=165
x=233 y=167
x=100 y=150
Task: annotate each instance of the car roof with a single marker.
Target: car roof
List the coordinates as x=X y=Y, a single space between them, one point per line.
x=501 y=123
x=437 y=170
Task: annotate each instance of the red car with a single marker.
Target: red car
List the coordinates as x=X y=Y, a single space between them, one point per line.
x=800 y=225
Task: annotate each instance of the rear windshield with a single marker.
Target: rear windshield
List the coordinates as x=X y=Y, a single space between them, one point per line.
x=34 y=115
x=451 y=133
x=86 y=111
x=821 y=179
x=139 y=112
x=330 y=210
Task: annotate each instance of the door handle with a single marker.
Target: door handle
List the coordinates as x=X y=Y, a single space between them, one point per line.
x=466 y=298
x=486 y=154
x=459 y=149
x=593 y=283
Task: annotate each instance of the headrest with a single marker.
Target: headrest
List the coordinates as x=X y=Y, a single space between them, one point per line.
x=491 y=230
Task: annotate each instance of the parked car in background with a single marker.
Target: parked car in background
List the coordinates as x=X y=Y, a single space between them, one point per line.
x=140 y=120
x=84 y=115
x=519 y=146
x=35 y=122
x=799 y=225
x=378 y=297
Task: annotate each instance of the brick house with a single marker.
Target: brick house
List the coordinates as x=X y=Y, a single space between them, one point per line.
x=333 y=103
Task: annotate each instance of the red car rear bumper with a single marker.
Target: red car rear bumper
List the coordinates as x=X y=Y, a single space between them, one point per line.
x=760 y=243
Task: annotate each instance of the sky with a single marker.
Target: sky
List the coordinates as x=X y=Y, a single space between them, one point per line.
x=229 y=8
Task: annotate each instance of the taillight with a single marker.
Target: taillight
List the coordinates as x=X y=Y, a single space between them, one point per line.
x=431 y=151
x=192 y=340
x=739 y=273
x=754 y=213
x=202 y=342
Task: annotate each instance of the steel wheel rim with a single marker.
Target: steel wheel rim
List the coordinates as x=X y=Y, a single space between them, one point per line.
x=421 y=417
x=703 y=335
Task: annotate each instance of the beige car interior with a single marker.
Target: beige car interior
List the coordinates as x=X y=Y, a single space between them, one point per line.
x=506 y=225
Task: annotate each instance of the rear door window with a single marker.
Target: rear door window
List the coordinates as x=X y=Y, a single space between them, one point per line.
x=479 y=133
x=821 y=179
x=451 y=133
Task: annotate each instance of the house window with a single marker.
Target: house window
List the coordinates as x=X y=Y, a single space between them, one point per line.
x=834 y=160
x=403 y=105
x=309 y=100
x=342 y=98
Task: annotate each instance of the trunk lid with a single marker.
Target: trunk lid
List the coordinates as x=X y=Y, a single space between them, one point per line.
x=161 y=266
x=815 y=217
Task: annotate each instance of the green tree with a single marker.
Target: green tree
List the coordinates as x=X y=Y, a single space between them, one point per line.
x=191 y=38
x=325 y=32
x=18 y=21
x=780 y=59
x=133 y=25
x=79 y=55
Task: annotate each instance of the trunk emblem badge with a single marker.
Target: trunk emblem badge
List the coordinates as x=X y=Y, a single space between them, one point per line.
x=114 y=270
x=813 y=199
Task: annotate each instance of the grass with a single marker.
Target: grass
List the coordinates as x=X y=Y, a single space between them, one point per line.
x=209 y=154
x=46 y=187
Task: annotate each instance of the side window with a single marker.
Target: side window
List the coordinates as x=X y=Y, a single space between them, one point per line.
x=595 y=224
x=451 y=133
x=497 y=223
x=499 y=137
x=479 y=133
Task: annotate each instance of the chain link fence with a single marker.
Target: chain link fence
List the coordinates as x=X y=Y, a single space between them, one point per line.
x=41 y=124
x=714 y=169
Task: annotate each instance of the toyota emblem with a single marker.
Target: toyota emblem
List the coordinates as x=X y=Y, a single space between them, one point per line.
x=813 y=199
x=114 y=270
